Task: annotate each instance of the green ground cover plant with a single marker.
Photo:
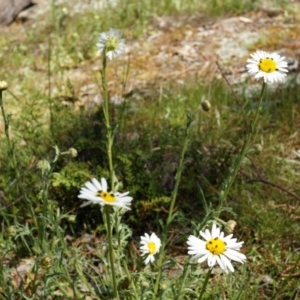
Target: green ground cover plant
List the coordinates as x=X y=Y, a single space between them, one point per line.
x=202 y=157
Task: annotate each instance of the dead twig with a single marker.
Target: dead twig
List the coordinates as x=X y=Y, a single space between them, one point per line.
x=265 y=181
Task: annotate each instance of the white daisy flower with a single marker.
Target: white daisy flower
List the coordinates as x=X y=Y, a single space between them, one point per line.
x=96 y=193
x=111 y=44
x=216 y=249
x=271 y=66
x=150 y=245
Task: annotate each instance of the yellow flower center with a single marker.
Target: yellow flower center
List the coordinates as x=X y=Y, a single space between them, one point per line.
x=151 y=247
x=106 y=196
x=267 y=65
x=111 y=44
x=216 y=246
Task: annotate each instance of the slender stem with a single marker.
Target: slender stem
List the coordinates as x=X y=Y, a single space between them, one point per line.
x=111 y=253
x=10 y=147
x=107 y=121
x=50 y=102
x=204 y=284
x=177 y=180
x=233 y=173
x=14 y=160
x=46 y=181
x=171 y=209
x=130 y=279
x=182 y=280
x=109 y=136
x=117 y=230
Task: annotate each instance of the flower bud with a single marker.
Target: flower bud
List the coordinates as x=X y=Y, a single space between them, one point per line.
x=206 y=106
x=71 y=218
x=73 y=152
x=46 y=262
x=229 y=226
x=258 y=148
x=11 y=231
x=145 y=284
x=64 y=10
x=3 y=85
x=43 y=165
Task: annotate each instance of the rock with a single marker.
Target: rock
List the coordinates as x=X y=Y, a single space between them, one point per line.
x=9 y=10
x=292 y=62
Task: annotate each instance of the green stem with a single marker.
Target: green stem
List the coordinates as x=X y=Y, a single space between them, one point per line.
x=109 y=145
x=233 y=173
x=107 y=121
x=117 y=230
x=12 y=156
x=204 y=284
x=171 y=209
x=46 y=181
x=111 y=252
x=50 y=102
x=130 y=279
x=182 y=281
x=10 y=147
x=177 y=180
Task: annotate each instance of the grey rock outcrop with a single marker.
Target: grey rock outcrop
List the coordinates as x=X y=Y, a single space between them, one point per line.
x=9 y=9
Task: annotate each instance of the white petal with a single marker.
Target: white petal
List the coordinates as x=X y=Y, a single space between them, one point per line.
x=117 y=194
x=211 y=260
x=205 y=234
x=90 y=197
x=235 y=255
x=215 y=231
x=221 y=263
x=227 y=262
x=104 y=184
x=84 y=190
x=125 y=199
x=148 y=259
x=86 y=203
x=91 y=187
x=97 y=184
x=203 y=258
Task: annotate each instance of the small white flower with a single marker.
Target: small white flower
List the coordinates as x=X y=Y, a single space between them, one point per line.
x=111 y=43
x=150 y=245
x=96 y=193
x=271 y=66
x=216 y=249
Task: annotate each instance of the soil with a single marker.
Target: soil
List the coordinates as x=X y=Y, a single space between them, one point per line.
x=178 y=49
